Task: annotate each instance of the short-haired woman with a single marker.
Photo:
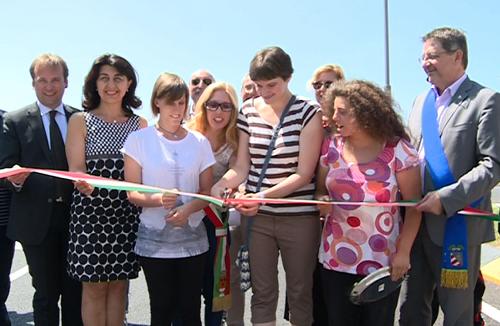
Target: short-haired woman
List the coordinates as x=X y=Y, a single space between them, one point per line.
x=171 y=241
x=291 y=231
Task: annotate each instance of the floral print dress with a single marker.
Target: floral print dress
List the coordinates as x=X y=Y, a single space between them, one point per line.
x=361 y=239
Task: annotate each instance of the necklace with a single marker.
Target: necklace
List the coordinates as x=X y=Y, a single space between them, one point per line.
x=173 y=134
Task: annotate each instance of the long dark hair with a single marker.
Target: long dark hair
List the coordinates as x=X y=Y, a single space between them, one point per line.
x=91 y=98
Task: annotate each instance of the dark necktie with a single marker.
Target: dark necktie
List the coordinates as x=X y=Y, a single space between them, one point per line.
x=57 y=144
x=58 y=154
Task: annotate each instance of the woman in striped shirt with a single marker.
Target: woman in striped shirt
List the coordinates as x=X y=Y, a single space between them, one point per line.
x=289 y=230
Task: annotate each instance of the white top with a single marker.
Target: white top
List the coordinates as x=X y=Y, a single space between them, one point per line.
x=170 y=164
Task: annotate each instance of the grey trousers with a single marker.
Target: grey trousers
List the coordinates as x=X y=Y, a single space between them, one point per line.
x=425 y=276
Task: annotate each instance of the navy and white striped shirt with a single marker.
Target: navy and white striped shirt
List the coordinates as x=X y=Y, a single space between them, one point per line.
x=285 y=156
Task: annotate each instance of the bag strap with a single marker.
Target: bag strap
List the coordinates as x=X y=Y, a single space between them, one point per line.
x=268 y=158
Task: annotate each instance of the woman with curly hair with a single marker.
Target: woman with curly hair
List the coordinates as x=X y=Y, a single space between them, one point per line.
x=171 y=240
x=369 y=158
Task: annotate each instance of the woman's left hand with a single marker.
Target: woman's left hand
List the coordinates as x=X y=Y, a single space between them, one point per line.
x=400 y=264
x=177 y=216
x=248 y=209
x=168 y=200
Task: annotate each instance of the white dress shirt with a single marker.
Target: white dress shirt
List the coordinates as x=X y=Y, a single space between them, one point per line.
x=60 y=119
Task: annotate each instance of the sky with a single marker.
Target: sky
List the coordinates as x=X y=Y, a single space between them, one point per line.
x=223 y=36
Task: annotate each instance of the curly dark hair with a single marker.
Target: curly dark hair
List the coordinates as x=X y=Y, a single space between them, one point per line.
x=91 y=98
x=373 y=108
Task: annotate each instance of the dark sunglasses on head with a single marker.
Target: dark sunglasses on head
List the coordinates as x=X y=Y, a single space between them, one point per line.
x=196 y=81
x=224 y=106
x=318 y=84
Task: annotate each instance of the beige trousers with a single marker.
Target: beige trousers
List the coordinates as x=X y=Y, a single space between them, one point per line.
x=296 y=239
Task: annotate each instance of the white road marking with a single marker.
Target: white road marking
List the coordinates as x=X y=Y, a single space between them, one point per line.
x=487 y=309
x=491 y=311
x=19 y=273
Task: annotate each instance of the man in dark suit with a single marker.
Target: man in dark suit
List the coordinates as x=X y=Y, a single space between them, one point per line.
x=466 y=116
x=6 y=249
x=34 y=137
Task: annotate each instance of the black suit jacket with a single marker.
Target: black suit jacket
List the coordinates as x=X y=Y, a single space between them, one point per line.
x=5 y=194
x=25 y=143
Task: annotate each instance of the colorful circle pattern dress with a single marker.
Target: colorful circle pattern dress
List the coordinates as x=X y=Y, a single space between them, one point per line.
x=103 y=226
x=361 y=239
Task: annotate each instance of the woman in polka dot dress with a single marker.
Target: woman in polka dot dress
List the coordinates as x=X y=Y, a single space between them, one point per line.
x=103 y=222
x=368 y=159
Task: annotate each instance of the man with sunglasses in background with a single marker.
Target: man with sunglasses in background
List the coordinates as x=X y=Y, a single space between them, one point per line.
x=199 y=81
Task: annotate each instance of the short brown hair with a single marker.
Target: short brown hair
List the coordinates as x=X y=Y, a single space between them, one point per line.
x=169 y=87
x=51 y=60
x=373 y=108
x=271 y=63
x=451 y=39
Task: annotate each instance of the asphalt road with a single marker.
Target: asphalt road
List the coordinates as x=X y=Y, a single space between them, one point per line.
x=20 y=310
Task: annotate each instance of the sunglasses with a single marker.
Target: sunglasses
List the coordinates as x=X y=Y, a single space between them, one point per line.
x=214 y=106
x=196 y=81
x=318 y=84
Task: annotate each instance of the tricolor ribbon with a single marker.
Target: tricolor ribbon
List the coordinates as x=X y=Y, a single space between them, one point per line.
x=221 y=289
x=107 y=183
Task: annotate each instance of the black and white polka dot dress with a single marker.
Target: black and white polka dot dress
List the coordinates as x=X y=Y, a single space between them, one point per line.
x=103 y=226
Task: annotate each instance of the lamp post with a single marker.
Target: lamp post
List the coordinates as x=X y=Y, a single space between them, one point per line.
x=386 y=27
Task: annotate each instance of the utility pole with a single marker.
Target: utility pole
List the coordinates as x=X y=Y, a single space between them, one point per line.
x=386 y=26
